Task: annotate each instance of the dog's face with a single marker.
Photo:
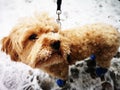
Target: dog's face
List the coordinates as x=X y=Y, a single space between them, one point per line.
x=36 y=42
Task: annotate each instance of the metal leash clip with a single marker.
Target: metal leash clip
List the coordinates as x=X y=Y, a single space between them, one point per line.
x=58 y=12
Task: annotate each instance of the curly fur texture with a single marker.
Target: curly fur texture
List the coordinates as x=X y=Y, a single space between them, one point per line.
x=38 y=42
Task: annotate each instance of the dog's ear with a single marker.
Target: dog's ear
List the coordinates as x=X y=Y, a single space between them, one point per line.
x=6 y=45
x=8 y=48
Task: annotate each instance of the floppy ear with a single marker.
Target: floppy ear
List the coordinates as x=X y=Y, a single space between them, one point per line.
x=6 y=45
x=8 y=48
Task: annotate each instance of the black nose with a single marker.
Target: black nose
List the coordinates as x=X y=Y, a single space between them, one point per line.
x=56 y=45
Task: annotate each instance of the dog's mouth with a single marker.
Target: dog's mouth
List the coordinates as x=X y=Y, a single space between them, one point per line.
x=51 y=59
x=54 y=65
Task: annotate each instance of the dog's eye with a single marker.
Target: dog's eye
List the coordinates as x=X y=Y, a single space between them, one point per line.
x=33 y=37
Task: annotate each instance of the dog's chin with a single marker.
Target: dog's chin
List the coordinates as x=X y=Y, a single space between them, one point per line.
x=55 y=66
x=59 y=70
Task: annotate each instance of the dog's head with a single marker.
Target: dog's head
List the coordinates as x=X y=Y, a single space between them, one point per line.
x=36 y=42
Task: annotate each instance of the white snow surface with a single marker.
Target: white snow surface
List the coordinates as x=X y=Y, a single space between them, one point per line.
x=17 y=76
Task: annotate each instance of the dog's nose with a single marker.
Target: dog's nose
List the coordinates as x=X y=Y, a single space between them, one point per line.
x=56 y=45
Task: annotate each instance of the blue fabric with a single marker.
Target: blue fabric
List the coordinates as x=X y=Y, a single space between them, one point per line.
x=92 y=57
x=60 y=82
x=101 y=71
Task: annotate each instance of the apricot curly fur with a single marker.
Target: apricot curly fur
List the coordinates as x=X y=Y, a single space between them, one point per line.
x=38 y=42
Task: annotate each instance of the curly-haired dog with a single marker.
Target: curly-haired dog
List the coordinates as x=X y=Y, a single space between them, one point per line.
x=38 y=42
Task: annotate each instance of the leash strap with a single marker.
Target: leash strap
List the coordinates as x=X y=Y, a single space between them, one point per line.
x=59 y=5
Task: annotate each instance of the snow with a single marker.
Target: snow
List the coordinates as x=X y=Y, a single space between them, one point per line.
x=16 y=76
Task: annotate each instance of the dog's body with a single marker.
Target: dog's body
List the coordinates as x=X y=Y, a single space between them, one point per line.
x=37 y=42
x=102 y=40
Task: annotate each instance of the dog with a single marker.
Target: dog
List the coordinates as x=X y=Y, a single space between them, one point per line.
x=40 y=43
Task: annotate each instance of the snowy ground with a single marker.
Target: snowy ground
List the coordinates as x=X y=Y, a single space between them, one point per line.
x=17 y=76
